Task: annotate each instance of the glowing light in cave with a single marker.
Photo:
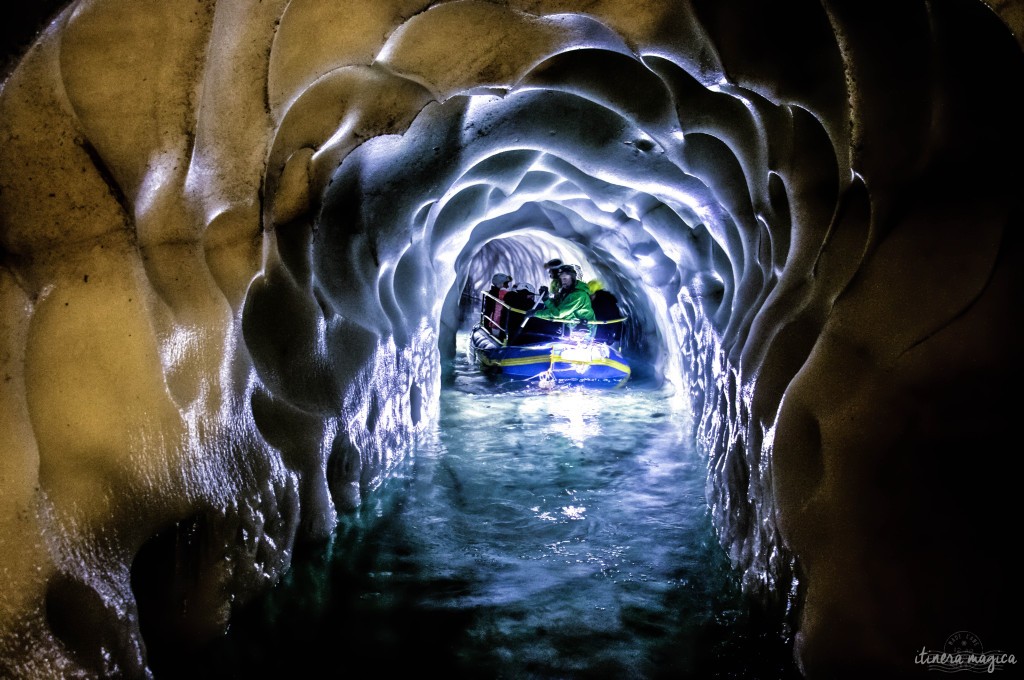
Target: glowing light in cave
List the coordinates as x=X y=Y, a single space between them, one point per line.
x=576 y=415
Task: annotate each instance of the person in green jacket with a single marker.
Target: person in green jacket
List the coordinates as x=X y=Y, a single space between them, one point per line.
x=571 y=301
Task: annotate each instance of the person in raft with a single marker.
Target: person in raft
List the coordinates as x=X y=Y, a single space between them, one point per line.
x=570 y=302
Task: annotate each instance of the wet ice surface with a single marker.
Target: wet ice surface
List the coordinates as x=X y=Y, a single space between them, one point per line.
x=540 y=534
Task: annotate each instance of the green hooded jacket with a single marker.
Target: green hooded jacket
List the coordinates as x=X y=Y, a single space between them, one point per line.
x=574 y=306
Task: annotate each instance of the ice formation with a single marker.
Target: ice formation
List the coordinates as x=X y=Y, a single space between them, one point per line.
x=234 y=237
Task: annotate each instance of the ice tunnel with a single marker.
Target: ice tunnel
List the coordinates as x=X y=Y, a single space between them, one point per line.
x=235 y=236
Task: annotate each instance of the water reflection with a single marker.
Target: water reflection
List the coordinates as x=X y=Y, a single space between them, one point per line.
x=535 y=534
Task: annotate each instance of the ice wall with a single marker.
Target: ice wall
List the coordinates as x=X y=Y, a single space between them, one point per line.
x=234 y=237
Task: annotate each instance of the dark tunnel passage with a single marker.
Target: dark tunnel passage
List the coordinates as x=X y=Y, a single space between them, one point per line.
x=237 y=313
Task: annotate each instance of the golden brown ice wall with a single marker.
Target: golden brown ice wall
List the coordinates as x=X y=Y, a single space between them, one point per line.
x=233 y=235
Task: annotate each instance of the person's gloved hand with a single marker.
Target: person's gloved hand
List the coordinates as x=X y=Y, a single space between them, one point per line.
x=543 y=292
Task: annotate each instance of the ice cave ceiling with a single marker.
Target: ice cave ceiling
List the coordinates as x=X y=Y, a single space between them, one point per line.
x=233 y=238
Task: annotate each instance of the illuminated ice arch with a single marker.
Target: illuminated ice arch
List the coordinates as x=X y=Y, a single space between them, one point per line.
x=438 y=215
x=665 y=212
x=623 y=157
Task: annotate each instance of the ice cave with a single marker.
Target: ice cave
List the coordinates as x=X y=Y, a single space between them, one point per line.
x=234 y=237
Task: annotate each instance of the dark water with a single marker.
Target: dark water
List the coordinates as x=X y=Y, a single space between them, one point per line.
x=539 y=534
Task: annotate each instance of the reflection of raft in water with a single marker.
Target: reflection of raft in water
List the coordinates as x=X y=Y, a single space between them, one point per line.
x=553 y=353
